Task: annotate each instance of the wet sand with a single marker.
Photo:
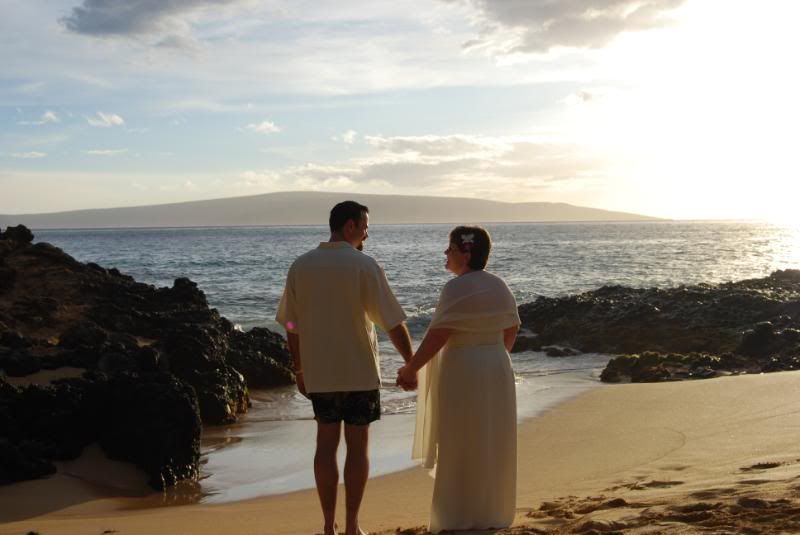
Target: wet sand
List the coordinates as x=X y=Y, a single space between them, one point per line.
x=666 y=458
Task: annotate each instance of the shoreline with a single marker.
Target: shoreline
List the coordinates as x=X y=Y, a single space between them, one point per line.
x=664 y=443
x=285 y=451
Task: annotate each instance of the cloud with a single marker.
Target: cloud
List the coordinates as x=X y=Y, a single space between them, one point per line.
x=106 y=152
x=47 y=117
x=106 y=120
x=101 y=18
x=264 y=127
x=28 y=155
x=442 y=148
x=179 y=42
x=348 y=137
x=453 y=165
x=540 y=25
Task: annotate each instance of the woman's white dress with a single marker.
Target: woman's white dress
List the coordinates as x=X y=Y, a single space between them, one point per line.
x=466 y=408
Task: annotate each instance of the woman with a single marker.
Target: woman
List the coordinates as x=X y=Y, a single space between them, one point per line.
x=466 y=405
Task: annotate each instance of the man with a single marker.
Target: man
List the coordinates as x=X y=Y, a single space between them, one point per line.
x=333 y=297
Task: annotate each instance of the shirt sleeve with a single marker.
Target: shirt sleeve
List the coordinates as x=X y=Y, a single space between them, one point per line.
x=380 y=303
x=287 y=309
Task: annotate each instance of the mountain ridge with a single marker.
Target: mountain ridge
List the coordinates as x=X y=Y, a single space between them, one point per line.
x=312 y=208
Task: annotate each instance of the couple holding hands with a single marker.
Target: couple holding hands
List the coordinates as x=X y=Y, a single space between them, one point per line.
x=466 y=401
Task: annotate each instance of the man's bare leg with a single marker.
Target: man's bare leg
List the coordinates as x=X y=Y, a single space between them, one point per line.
x=356 y=472
x=326 y=472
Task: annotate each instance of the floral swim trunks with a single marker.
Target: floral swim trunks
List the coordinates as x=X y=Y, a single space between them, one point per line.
x=354 y=408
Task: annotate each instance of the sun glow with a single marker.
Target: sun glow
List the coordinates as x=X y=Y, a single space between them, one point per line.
x=705 y=119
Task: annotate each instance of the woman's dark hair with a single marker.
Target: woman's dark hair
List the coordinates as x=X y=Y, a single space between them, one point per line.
x=344 y=212
x=475 y=240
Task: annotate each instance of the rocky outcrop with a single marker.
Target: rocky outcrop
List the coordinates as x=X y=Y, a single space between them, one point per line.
x=262 y=356
x=155 y=357
x=678 y=333
x=151 y=420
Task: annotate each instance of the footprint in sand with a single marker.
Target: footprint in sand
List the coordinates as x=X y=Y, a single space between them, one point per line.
x=674 y=468
x=760 y=466
x=710 y=494
x=640 y=485
x=655 y=485
x=755 y=481
x=695 y=507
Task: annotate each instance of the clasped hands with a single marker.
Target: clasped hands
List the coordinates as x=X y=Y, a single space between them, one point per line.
x=406 y=378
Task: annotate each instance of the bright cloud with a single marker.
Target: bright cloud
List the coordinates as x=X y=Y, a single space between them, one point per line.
x=348 y=137
x=47 y=117
x=105 y=120
x=28 y=155
x=106 y=152
x=264 y=127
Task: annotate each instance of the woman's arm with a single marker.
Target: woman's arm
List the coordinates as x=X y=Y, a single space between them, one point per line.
x=434 y=340
x=509 y=335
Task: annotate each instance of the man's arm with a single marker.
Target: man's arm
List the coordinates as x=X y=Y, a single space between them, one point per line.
x=434 y=340
x=294 y=348
x=401 y=339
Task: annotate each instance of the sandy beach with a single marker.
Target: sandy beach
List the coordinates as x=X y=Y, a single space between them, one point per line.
x=670 y=457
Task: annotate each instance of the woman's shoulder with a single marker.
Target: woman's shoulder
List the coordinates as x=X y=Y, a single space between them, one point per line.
x=487 y=278
x=474 y=280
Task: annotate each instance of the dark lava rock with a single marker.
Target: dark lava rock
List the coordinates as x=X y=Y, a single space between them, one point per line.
x=19 y=363
x=688 y=332
x=20 y=234
x=764 y=339
x=262 y=356
x=195 y=348
x=222 y=393
x=23 y=461
x=158 y=358
x=7 y=277
x=526 y=342
x=151 y=420
x=154 y=423
x=84 y=334
x=702 y=318
x=555 y=351
x=14 y=340
x=655 y=367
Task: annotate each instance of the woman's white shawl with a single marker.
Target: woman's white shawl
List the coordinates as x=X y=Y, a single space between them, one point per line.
x=475 y=302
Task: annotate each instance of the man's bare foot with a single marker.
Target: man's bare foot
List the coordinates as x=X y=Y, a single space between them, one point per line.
x=356 y=531
x=330 y=530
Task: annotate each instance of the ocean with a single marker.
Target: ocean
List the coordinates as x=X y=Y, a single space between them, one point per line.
x=242 y=271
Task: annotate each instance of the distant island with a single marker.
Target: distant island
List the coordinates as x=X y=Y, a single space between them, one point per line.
x=311 y=208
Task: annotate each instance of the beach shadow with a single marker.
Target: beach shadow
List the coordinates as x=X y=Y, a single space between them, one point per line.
x=32 y=499
x=91 y=478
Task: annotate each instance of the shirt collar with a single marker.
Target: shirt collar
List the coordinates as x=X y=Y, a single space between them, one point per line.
x=334 y=245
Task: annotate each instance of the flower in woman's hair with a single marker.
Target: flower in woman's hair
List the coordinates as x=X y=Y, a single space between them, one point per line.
x=467 y=238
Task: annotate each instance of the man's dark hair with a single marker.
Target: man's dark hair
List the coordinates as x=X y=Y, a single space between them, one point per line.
x=475 y=240
x=344 y=212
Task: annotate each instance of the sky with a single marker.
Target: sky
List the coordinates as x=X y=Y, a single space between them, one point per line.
x=684 y=109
